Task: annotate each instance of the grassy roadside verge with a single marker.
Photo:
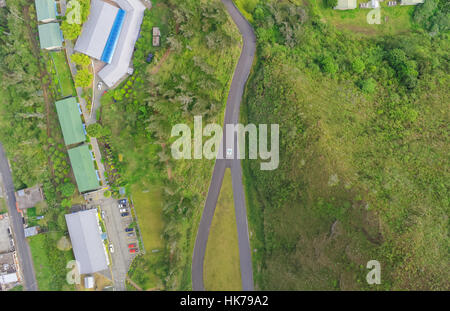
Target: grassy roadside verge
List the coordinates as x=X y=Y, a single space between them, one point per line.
x=221 y=267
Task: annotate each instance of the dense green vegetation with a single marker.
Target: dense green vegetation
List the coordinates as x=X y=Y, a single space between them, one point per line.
x=189 y=75
x=31 y=134
x=364 y=129
x=433 y=16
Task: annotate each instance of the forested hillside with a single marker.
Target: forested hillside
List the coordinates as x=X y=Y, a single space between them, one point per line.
x=364 y=152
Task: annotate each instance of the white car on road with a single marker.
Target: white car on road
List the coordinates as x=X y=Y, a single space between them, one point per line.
x=111 y=248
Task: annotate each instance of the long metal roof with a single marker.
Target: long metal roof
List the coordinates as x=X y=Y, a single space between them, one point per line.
x=121 y=60
x=50 y=36
x=83 y=168
x=70 y=120
x=86 y=242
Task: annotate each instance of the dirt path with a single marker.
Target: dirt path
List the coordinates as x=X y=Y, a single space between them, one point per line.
x=155 y=70
x=134 y=284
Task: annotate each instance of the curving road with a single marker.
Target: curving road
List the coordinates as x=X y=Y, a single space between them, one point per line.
x=21 y=244
x=240 y=77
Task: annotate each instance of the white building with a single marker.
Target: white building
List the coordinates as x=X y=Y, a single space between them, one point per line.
x=110 y=34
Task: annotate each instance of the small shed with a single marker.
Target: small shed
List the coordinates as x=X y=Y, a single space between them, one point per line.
x=31 y=231
x=156 y=36
x=89 y=281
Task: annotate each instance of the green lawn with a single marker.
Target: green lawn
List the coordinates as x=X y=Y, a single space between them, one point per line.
x=49 y=262
x=221 y=267
x=148 y=204
x=65 y=82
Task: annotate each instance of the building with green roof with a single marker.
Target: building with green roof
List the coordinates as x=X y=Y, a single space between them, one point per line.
x=83 y=168
x=50 y=36
x=45 y=10
x=69 y=116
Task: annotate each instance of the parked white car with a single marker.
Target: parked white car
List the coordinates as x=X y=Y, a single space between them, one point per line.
x=99 y=85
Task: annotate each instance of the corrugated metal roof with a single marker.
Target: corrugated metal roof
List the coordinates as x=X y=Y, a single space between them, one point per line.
x=96 y=29
x=86 y=242
x=70 y=120
x=112 y=73
x=45 y=10
x=8 y=278
x=31 y=231
x=50 y=36
x=83 y=169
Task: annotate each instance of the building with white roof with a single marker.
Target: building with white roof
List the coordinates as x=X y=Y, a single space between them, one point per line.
x=87 y=244
x=110 y=34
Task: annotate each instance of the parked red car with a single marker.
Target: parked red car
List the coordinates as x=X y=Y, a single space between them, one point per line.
x=133 y=250
x=131 y=245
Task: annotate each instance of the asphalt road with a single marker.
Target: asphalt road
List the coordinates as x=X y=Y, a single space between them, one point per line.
x=21 y=245
x=240 y=78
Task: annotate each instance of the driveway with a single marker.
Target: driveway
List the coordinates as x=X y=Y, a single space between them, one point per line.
x=15 y=219
x=240 y=78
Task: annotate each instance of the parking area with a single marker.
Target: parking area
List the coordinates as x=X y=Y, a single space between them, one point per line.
x=117 y=219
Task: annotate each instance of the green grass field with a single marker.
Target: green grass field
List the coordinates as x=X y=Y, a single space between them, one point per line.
x=66 y=86
x=148 y=204
x=394 y=20
x=221 y=267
